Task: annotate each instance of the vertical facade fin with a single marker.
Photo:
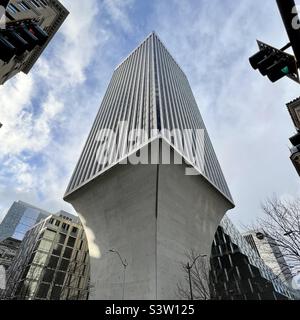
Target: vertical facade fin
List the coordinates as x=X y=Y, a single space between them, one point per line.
x=148 y=91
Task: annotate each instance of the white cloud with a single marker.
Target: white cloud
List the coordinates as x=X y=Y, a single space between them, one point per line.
x=117 y=10
x=245 y=114
x=211 y=40
x=47 y=114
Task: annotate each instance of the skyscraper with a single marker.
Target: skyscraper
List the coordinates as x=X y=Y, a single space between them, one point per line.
x=19 y=219
x=148 y=183
x=25 y=32
x=270 y=253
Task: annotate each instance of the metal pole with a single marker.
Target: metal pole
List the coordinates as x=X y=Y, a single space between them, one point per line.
x=125 y=264
x=286 y=47
x=124 y=281
x=189 y=267
x=289 y=16
x=190 y=280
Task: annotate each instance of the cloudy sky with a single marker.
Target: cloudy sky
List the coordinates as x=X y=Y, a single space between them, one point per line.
x=47 y=114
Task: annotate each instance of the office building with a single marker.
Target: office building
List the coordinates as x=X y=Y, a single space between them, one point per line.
x=134 y=194
x=294 y=111
x=270 y=253
x=238 y=272
x=8 y=250
x=52 y=263
x=27 y=29
x=19 y=219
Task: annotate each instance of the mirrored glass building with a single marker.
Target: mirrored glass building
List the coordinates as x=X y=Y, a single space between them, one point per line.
x=19 y=219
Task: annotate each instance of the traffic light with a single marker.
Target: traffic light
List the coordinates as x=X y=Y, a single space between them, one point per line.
x=19 y=38
x=16 y=40
x=28 y=36
x=274 y=63
x=38 y=32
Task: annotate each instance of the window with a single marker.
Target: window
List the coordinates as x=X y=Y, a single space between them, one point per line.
x=55 y=294
x=68 y=253
x=73 y=294
x=76 y=255
x=80 y=283
x=12 y=9
x=53 y=261
x=64 y=264
x=57 y=249
x=25 y=5
x=57 y=223
x=74 y=230
x=83 y=270
x=43 y=290
x=44 y=2
x=35 y=3
x=27 y=221
x=48 y=276
x=51 y=221
x=74 y=268
x=71 y=242
x=60 y=277
x=61 y=238
x=22 y=6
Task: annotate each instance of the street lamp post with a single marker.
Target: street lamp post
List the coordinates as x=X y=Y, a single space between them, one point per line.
x=125 y=264
x=189 y=267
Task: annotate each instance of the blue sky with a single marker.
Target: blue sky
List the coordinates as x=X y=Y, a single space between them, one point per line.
x=47 y=114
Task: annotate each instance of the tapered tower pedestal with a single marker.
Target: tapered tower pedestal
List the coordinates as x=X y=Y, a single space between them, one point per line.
x=152 y=215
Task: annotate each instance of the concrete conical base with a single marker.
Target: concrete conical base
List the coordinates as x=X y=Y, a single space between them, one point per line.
x=152 y=215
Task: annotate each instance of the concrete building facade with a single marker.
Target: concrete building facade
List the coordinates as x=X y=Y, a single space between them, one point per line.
x=27 y=29
x=52 y=262
x=150 y=211
x=19 y=219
